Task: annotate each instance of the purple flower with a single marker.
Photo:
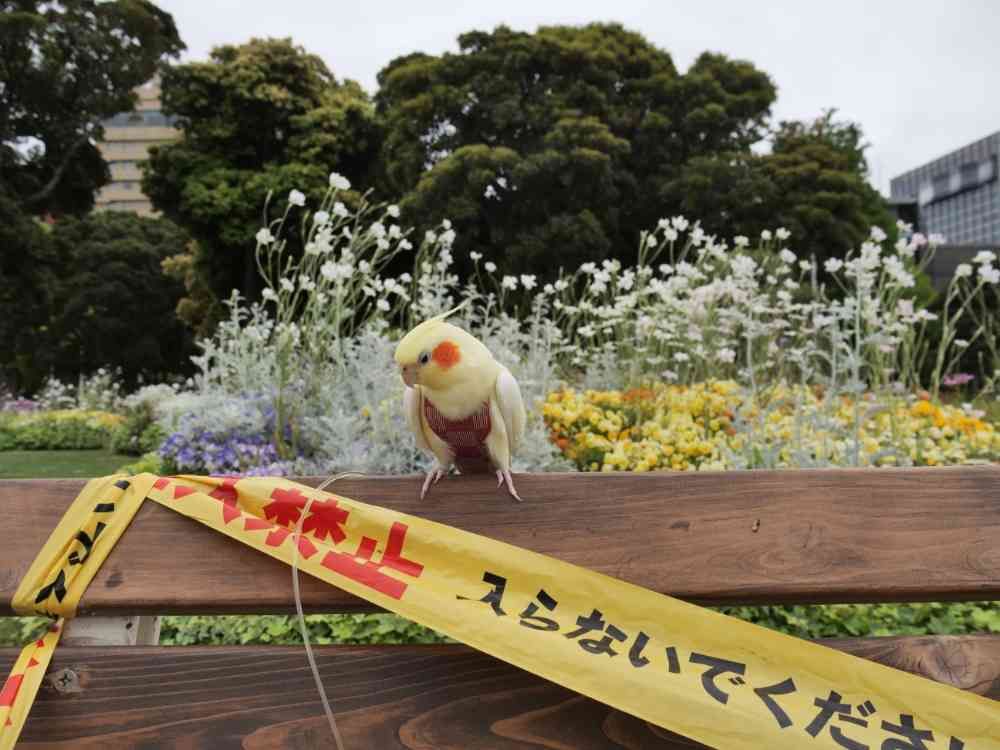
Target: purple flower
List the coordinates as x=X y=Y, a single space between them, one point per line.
x=958 y=378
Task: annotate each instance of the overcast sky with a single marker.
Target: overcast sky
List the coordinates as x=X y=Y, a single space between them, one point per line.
x=922 y=77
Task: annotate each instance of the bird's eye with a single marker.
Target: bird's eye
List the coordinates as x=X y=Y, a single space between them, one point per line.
x=425 y=358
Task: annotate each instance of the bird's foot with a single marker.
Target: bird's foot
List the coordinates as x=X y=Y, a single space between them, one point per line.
x=505 y=475
x=433 y=477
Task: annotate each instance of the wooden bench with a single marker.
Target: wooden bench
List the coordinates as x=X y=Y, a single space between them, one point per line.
x=736 y=538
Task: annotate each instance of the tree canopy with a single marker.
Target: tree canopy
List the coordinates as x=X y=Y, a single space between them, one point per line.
x=570 y=138
x=256 y=118
x=111 y=303
x=64 y=68
x=813 y=182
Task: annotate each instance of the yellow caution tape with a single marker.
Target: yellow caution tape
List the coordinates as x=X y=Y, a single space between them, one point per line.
x=716 y=679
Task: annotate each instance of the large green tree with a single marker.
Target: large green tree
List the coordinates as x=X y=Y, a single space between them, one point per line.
x=111 y=303
x=260 y=117
x=813 y=181
x=558 y=146
x=64 y=68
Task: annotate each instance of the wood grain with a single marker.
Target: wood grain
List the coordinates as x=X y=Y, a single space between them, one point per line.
x=392 y=697
x=721 y=538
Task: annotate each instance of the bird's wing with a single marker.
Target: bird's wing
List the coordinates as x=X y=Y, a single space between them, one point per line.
x=427 y=441
x=412 y=407
x=511 y=405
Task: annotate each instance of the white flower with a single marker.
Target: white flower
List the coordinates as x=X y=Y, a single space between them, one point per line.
x=287 y=285
x=805 y=265
x=448 y=237
x=269 y=294
x=395 y=232
x=490 y=266
x=405 y=244
x=430 y=237
x=766 y=234
x=741 y=241
x=405 y=278
x=587 y=330
x=786 y=255
x=963 y=270
x=393 y=211
x=297 y=198
x=666 y=269
x=669 y=375
x=782 y=234
x=670 y=234
x=490 y=192
x=306 y=283
x=989 y=274
x=382 y=244
x=475 y=256
x=502 y=182
x=726 y=355
x=877 y=235
x=681 y=357
x=509 y=282
x=339 y=182
x=562 y=285
x=446 y=224
x=377 y=229
x=339 y=209
x=961 y=343
x=312 y=248
x=833 y=265
x=382 y=305
x=679 y=223
x=528 y=281
x=264 y=237
x=548 y=289
x=985 y=257
x=321 y=218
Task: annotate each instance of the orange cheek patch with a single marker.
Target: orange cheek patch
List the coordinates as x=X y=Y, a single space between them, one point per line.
x=446 y=354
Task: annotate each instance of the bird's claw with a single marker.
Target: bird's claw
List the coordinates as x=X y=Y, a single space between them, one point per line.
x=505 y=475
x=433 y=477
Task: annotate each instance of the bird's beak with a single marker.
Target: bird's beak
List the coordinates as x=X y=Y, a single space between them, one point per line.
x=409 y=373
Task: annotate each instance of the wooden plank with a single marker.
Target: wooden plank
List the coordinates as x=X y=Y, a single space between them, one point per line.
x=722 y=538
x=392 y=697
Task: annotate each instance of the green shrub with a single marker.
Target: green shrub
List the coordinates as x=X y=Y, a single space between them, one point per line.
x=282 y=629
x=139 y=433
x=58 y=430
x=149 y=463
x=802 y=621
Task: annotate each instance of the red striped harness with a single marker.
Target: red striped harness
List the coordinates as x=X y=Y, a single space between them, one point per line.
x=466 y=438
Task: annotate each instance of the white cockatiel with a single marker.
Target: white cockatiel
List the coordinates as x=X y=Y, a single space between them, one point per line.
x=463 y=406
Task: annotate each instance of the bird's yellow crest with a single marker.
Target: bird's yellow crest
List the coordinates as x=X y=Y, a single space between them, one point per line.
x=426 y=336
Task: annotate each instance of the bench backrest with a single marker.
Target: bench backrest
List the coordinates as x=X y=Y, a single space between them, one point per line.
x=714 y=538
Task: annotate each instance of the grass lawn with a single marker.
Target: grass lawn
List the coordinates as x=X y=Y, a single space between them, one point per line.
x=59 y=464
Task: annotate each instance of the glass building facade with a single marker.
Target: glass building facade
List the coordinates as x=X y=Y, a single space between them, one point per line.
x=957 y=195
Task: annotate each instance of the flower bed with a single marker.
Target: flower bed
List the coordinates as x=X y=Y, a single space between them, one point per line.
x=717 y=425
x=62 y=429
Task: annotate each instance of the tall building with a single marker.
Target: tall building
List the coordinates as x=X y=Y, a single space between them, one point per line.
x=957 y=195
x=127 y=139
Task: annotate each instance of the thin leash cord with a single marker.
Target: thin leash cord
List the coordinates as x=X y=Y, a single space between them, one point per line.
x=298 y=604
